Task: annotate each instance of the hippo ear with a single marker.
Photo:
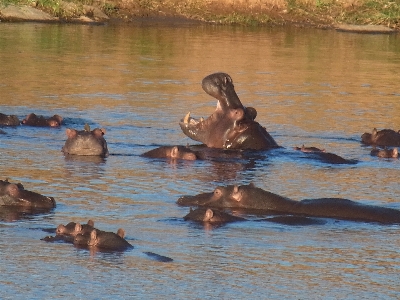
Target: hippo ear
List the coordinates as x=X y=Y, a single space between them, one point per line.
x=252 y=185
x=93 y=238
x=90 y=223
x=174 y=152
x=71 y=133
x=236 y=194
x=99 y=132
x=12 y=189
x=208 y=215
x=78 y=227
x=374 y=132
x=395 y=152
x=121 y=232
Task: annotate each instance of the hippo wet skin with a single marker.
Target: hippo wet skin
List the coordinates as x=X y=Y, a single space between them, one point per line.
x=86 y=142
x=9 y=120
x=104 y=240
x=231 y=126
x=384 y=137
x=172 y=152
x=40 y=121
x=14 y=194
x=254 y=198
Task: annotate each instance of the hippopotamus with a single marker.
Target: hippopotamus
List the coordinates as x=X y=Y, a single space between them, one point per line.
x=73 y=228
x=14 y=194
x=41 y=121
x=231 y=126
x=204 y=214
x=308 y=149
x=103 y=240
x=86 y=142
x=251 y=197
x=322 y=155
x=9 y=120
x=384 y=138
x=173 y=152
x=385 y=153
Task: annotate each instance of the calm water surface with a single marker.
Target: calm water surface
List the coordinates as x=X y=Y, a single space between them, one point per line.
x=313 y=87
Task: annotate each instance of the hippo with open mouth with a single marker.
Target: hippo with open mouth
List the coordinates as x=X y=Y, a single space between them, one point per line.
x=231 y=126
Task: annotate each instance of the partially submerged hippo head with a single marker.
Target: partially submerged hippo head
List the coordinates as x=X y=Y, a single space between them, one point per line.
x=73 y=228
x=103 y=240
x=12 y=194
x=384 y=137
x=40 y=121
x=209 y=215
x=9 y=120
x=173 y=152
x=232 y=125
x=385 y=153
x=86 y=142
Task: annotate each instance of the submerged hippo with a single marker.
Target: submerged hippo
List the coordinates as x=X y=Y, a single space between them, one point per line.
x=9 y=120
x=204 y=214
x=40 y=121
x=385 y=153
x=173 y=152
x=214 y=216
x=251 y=197
x=103 y=240
x=14 y=194
x=86 y=142
x=308 y=149
x=384 y=138
x=231 y=126
x=322 y=155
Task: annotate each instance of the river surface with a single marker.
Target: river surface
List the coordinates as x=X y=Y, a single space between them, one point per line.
x=314 y=87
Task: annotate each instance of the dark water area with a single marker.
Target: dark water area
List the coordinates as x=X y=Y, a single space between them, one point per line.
x=314 y=87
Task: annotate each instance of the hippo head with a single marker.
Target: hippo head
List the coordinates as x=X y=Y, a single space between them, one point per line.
x=232 y=125
x=12 y=194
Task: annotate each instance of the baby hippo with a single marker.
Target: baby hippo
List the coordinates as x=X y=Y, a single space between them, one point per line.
x=173 y=152
x=9 y=120
x=103 y=240
x=86 y=142
x=40 y=121
x=385 y=153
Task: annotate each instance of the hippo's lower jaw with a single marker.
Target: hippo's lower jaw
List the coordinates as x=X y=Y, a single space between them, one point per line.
x=193 y=128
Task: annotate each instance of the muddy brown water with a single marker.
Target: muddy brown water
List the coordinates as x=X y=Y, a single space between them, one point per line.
x=313 y=87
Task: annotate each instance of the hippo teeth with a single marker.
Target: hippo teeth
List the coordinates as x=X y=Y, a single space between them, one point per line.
x=186 y=118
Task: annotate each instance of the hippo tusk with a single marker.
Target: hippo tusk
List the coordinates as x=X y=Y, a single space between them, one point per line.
x=186 y=118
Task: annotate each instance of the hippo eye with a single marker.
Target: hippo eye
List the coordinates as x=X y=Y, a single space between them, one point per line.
x=217 y=192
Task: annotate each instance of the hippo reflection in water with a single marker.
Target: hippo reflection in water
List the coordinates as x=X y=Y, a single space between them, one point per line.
x=231 y=126
x=14 y=194
x=251 y=197
x=86 y=142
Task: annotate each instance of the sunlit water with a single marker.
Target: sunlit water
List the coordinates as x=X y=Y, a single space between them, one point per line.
x=312 y=87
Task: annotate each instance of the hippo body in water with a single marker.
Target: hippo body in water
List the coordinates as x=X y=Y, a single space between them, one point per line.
x=86 y=142
x=231 y=126
x=252 y=198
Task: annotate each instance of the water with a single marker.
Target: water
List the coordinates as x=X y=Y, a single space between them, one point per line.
x=313 y=87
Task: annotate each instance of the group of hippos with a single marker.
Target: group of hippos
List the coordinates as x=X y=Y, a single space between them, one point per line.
x=231 y=127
